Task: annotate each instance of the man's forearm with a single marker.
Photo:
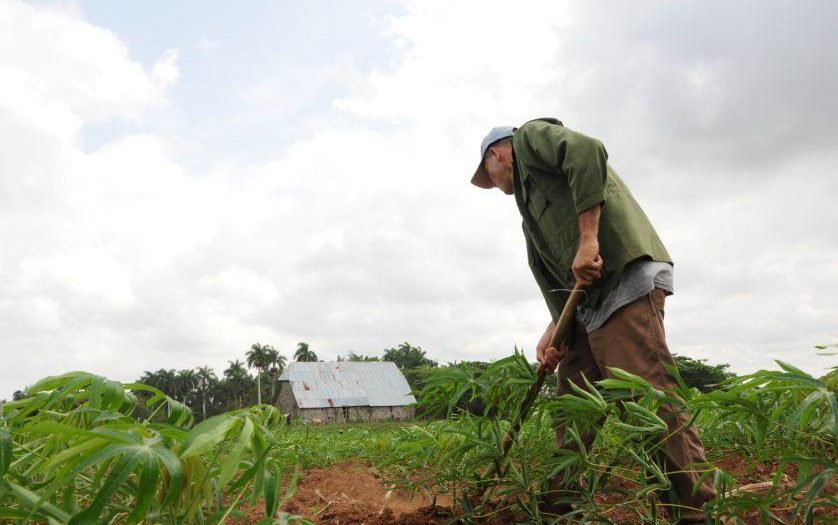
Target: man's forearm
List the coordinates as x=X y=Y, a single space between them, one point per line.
x=547 y=337
x=587 y=265
x=588 y=222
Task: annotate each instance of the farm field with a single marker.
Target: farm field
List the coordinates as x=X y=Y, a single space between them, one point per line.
x=356 y=484
x=74 y=451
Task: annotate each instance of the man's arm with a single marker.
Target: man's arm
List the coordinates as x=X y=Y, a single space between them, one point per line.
x=587 y=265
x=584 y=161
x=587 y=268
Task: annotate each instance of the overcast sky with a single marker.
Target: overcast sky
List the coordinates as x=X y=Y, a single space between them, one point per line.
x=180 y=180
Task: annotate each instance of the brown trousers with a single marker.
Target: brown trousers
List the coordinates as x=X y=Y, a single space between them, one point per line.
x=633 y=339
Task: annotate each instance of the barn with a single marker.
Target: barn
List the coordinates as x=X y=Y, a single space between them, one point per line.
x=345 y=391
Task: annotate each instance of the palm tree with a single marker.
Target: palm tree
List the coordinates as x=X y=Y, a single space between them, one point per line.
x=236 y=377
x=260 y=357
x=186 y=382
x=278 y=362
x=164 y=380
x=235 y=371
x=407 y=356
x=206 y=378
x=303 y=354
x=147 y=378
x=353 y=357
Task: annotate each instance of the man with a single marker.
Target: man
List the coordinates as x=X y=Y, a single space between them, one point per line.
x=581 y=224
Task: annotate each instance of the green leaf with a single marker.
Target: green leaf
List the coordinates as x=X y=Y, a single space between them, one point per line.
x=100 y=457
x=5 y=453
x=54 y=382
x=638 y=382
x=207 y=434
x=591 y=394
x=179 y=414
x=35 y=503
x=96 y=392
x=650 y=429
x=231 y=465
x=14 y=514
x=176 y=474
x=147 y=487
x=50 y=428
x=117 y=476
x=81 y=448
x=113 y=395
x=273 y=478
x=801 y=415
x=814 y=488
x=793 y=370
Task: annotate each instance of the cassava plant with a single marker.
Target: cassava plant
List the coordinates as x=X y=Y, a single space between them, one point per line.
x=781 y=418
x=73 y=452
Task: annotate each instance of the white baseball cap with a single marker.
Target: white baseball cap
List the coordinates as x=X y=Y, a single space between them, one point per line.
x=481 y=176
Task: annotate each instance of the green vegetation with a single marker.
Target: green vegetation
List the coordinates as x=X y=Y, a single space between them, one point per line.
x=353 y=357
x=79 y=448
x=304 y=354
x=784 y=419
x=71 y=452
x=406 y=356
x=265 y=359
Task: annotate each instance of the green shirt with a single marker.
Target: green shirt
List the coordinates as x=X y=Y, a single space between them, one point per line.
x=560 y=173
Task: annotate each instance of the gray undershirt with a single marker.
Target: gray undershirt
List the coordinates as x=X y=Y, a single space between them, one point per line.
x=639 y=278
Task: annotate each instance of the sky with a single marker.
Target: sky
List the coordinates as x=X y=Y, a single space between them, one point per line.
x=180 y=180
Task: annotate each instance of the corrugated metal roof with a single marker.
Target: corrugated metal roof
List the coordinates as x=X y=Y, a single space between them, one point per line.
x=321 y=385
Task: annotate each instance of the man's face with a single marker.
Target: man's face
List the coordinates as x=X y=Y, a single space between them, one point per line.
x=498 y=164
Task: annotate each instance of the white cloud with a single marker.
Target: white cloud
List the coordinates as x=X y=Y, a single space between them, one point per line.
x=75 y=67
x=165 y=71
x=207 y=44
x=259 y=94
x=91 y=272
x=70 y=219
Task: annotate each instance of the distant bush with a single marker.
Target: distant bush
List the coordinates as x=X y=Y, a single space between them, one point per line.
x=698 y=374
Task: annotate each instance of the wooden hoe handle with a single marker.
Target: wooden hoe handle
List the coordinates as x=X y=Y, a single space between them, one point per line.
x=541 y=374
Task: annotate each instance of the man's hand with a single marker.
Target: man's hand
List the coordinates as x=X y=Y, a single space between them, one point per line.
x=587 y=265
x=549 y=356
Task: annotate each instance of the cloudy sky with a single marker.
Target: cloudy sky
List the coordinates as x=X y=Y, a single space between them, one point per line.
x=179 y=180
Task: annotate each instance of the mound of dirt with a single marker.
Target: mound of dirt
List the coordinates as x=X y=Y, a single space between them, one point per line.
x=352 y=493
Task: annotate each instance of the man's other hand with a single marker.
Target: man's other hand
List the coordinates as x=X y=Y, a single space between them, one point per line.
x=587 y=265
x=549 y=356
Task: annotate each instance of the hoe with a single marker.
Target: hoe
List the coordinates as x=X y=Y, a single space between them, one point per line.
x=565 y=319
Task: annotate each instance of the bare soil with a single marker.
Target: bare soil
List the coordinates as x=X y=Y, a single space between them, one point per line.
x=354 y=493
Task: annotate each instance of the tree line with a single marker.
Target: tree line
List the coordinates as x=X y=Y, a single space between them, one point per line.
x=208 y=394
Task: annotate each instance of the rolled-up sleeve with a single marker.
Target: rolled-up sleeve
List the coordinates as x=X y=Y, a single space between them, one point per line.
x=582 y=159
